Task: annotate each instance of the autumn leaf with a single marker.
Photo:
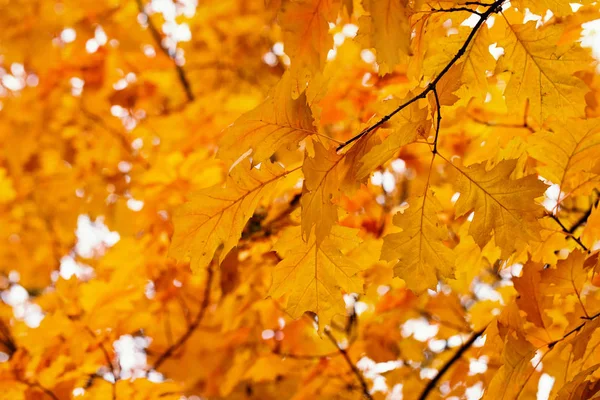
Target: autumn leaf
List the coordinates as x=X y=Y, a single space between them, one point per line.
x=389 y=31
x=502 y=206
x=279 y=121
x=542 y=72
x=422 y=257
x=314 y=275
x=217 y=216
x=565 y=150
x=307 y=38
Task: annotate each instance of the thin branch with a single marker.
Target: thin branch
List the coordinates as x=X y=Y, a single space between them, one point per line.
x=454 y=9
x=574 y=330
x=484 y=16
x=307 y=356
x=493 y=124
x=457 y=356
x=439 y=120
x=43 y=389
x=188 y=333
x=584 y=217
x=355 y=370
x=567 y=232
x=109 y=361
x=159 y=41
x=117 y=134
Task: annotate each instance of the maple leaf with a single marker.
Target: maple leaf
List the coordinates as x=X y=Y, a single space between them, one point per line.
x=501 y=205
x=314 y=274
x=422 y=257
x=216 y=216
x=321 y=189
x=542 y=71
x=306 y=37
x=531 y=295
x=388 y=29
x=277 y=122
x=507 y=382
x=565 y=149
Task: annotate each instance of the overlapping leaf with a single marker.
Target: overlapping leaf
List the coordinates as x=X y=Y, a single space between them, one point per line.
x=502 y=206
x=314 y=275
x=216 y=216
x=419 y=249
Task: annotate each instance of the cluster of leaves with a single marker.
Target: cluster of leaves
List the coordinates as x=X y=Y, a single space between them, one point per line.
x=297 y=199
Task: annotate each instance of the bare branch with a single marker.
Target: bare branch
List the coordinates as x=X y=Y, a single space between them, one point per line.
x=353 y=367
x=457 y=356
x=158 y=39
x=568 y=232
x=192 y=328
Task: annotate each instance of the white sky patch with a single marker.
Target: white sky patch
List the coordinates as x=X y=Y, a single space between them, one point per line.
x=474 y=392
x=70 y=267
x=545 y=386
x=551 y=197
x=131 y=355
x=18 y=298
x=420 y=329
x=93 y=236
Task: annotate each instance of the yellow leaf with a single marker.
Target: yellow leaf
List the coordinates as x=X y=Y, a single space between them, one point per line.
x=217 y=215
x=306 y=37
x=515 y=371
x=567 y=149
x=314 y=275
x=279 y=121
x=322 y=179
x=501 y=205
x=531 y=298
x=422 y=257
x=542 y=71
x=389 y=31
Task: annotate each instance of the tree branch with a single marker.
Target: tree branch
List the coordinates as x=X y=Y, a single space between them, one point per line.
x=584 y=217
x=454 y=9
x=158 y=39
x=494 y=7
x=188 y=333
x=568 y=232
x=466 y=346
x=439 y=120
x=355 y=370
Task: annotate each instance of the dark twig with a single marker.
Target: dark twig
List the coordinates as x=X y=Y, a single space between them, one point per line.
x=192 y=327
x=159 y=41
x=43 y=389
x=431 y=86
x=109 y=361
x=117 y=134
x=574 y=330
x=567 y=232
x=454 y=9
x=584 y=217
x=355 y=370
x=466 y=346
x=439 y=120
